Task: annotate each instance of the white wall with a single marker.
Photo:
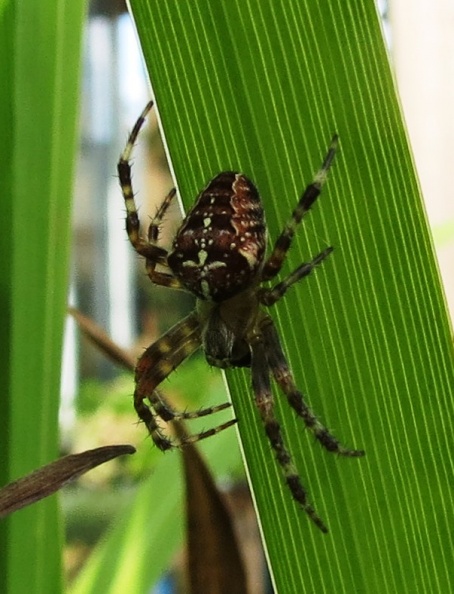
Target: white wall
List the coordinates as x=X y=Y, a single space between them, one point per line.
x=422 y=46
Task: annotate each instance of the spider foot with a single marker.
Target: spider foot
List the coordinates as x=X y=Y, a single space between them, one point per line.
x=320 y=432
x=290 y=473
x=351 y=453
x=161 y=410
x=168 y=414
x=187 y=439
x=162 y=442
x=331 y=444
x=165 y=443
x=299 y=494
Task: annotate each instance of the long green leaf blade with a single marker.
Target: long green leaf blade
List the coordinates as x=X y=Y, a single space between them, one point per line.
x=39 y=97
x=260 y=87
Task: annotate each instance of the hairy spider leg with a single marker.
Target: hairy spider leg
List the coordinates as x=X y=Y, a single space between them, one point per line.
x=188 y=439
x=278 y=364
x=145 y=247
x=156 y=364
x=261 y=386
x=269 y=296
x=161 y=278
x=274 y=262
x=154 y=228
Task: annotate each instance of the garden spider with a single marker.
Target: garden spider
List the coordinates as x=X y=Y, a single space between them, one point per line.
x=218 y=254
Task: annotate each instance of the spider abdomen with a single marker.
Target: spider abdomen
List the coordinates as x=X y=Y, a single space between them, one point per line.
x=219 y=249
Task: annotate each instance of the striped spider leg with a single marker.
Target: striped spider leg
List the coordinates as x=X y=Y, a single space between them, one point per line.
x=219 y=255
x=164 y=355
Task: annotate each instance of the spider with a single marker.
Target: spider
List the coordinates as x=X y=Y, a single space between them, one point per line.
x=218 y=255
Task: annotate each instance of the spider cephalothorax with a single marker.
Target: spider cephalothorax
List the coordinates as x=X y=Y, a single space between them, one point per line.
x=218 y=254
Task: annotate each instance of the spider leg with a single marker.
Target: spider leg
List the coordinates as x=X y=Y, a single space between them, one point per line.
x=187 y=439
x=270 y=296
x=264 y=401
x=274 y=262
x=140 y=244
x=164 y=443
x=153 y=229
x=160 y=278
x=156 y=363
x=146 y=247
x=283 y=376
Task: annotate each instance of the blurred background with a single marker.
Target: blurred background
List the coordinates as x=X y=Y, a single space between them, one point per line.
x=108 y=281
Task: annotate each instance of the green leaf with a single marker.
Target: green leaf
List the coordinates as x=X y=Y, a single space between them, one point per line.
x=40 y=61
x=260 y=87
